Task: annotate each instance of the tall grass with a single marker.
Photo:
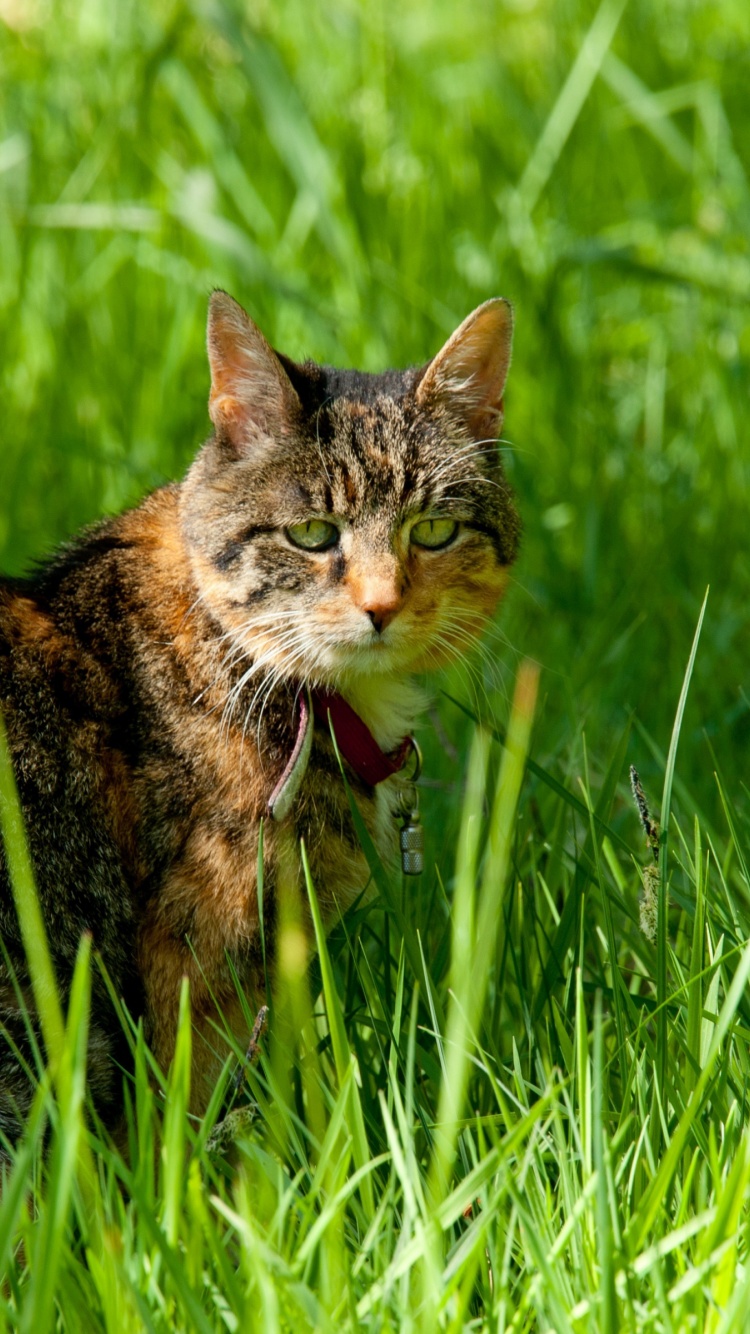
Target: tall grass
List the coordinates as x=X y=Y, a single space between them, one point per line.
x=530 y=1162
x=487 y=1100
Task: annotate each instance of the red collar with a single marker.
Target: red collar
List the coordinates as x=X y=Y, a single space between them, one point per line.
x=355 y=740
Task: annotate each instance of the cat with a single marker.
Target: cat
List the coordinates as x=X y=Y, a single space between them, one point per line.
x=167 y=679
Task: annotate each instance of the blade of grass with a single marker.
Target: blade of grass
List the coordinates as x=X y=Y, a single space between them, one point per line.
x=342 y=1053
x=609 y=1321
x=175 y=1120
x=617 y=982
x=51 y=1232
x=569 y=103
x=662 y=926
x=695 y=984
x=28 y=909
x=471 y=976
x=547 y=778
x=553 y=969
x=641 y=1224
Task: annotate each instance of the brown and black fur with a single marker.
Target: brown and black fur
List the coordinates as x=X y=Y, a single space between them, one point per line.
x=149 y=672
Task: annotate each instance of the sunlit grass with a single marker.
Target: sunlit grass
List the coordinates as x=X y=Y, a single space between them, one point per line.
x=568 y=1172
x=488 y=1100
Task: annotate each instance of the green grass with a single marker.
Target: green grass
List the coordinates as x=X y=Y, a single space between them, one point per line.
x=489 y=1101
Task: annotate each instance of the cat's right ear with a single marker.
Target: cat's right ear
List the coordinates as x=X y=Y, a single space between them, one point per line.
x=467 y=377
x=252 y=398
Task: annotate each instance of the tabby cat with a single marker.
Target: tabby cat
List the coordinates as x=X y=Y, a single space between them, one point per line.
x=338 y=533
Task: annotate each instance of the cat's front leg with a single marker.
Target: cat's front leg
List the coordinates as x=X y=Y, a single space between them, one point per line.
x=217 y=1015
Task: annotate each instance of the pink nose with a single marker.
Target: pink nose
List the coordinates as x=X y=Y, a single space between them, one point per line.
x=378 y=593
x=381 y=614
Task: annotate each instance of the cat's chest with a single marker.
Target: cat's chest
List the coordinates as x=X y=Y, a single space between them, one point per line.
x=325 y=820
x=208 y=893
x=388 y=709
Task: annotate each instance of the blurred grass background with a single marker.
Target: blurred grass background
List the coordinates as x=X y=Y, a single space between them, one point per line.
x=360 y=176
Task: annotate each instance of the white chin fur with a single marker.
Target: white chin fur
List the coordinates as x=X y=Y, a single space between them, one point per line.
x=389 y=705
x=374 y=679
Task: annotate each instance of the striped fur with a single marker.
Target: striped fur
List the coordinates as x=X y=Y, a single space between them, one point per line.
x=148 y=673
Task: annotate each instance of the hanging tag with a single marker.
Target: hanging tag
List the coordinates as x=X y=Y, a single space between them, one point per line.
x=411 y=836
x=412 y=841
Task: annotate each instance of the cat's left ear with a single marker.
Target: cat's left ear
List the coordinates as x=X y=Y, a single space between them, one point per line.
x=468 y=375
x=252 y=397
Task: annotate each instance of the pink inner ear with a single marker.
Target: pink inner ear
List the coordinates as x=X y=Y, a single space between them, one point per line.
x=251 y=394
x=468 y=375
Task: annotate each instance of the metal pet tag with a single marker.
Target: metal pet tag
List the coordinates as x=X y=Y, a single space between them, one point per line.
x=412 y=844
x=412 y=834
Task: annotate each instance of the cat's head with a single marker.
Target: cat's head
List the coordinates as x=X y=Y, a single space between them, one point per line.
x=343 y=524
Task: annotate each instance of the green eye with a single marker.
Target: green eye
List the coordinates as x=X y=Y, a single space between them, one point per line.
x=315 y=535
x=434 y=533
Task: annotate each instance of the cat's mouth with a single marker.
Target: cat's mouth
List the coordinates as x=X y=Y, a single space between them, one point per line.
x=404 y=647
x=379 y=653
x=317 y=651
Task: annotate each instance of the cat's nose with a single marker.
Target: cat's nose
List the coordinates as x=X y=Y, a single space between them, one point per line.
x=379 y=593
x=381 y=615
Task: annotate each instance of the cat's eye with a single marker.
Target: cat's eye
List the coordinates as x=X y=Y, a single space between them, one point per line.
x=434 y=533
x=314 y=535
